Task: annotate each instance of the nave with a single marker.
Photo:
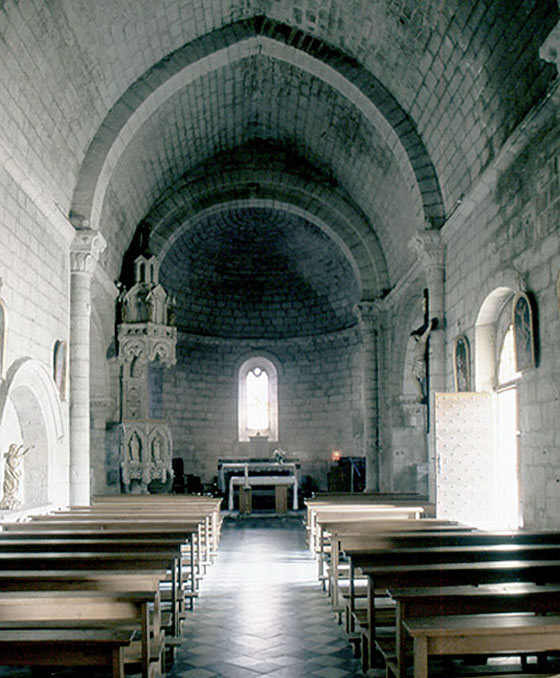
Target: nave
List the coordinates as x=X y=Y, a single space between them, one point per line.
x=262 y=612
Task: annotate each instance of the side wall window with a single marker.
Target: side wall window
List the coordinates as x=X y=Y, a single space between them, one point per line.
x=257 y=399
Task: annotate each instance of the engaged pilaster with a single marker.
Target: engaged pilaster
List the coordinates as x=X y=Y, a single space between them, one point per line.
x=368 y=319
x=84 y=254
x=430 y=250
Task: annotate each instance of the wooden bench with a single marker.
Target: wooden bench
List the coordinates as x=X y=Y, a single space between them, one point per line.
x=492 y=598
x=65 y=647
x=83 y=610
x=354 y=511
x=481 y=635
x=195 y=525
x=94 y=548
x=320 y=499
x=382 y=577
x=365 y=532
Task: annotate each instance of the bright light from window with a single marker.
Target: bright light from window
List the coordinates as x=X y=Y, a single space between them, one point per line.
x=506 y=369
x=507 y=472
x=507 y=483
x=257 y=399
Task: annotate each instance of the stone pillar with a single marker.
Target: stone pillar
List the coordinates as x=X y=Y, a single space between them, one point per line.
x=430 y=250
x=84 y=253
x=368 y=318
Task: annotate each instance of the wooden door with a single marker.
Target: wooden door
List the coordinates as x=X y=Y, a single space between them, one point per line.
x=464 y=457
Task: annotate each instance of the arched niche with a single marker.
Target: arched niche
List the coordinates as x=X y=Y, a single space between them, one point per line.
x=30 y=415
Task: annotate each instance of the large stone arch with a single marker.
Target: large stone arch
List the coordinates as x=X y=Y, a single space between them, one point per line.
x=31 y=414
x=257 y=36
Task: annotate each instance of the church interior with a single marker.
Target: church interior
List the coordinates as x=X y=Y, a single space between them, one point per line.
x=297 y=247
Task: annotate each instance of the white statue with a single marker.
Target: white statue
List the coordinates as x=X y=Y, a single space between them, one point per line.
x=12 y=476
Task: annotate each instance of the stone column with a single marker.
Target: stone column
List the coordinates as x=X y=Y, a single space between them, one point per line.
x=84 y=253
x=368 y=318
x=430 y=250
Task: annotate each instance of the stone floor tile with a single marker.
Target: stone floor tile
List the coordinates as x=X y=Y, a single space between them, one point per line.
x=261 y=595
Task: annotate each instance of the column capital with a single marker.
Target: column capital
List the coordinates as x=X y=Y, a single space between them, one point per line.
x=368 y=314
x=550 y=49
x=85 y=250
x=429 y=248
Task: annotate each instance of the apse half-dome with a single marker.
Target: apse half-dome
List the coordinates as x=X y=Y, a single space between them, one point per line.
x=259 y=273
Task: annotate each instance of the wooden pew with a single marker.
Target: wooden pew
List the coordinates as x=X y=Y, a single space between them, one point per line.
x=126 y=523
x=165 y=561
x=363 y=531
x=481 y=634
x=108 y=544
x=106 y=520
x=354 y=510
x=373 y=498
x=100 y=545
x=388 y=577
x=462 y=600
x=372 y=544
x=130 y=539
x=65 y=647
x=210 y=505
x=83 y=610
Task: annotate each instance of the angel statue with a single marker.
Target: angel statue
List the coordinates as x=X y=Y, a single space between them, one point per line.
x=12 y=476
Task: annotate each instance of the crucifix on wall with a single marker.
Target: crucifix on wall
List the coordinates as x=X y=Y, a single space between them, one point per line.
x=420 y=361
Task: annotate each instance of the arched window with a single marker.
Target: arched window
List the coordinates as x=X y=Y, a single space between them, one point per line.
x=258 y=399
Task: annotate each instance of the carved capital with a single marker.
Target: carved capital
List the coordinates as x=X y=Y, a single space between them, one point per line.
x=85 y=250
x=368 y=315
x=550 y=49
x=429 y=248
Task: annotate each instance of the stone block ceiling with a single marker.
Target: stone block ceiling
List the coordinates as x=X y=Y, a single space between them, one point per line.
x=173 y=115
x=259 y=273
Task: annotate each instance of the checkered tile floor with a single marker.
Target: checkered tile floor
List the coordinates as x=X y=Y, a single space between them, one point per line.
x=261 y=611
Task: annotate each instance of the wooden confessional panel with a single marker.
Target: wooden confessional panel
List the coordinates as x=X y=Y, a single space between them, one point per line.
x=464 y=457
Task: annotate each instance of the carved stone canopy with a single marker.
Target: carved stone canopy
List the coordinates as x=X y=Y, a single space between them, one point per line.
x=146 y=301
x=147 y=342
x=146 y=331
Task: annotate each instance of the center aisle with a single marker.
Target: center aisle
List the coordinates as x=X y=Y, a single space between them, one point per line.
x=261 y=611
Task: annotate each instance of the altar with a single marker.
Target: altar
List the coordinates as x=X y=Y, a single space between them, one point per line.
x=254 y=472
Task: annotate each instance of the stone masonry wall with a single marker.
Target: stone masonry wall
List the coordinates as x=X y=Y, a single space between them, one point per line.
x=508 y=237
x=35 y=291
x=34 y=271
x=317 y=408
